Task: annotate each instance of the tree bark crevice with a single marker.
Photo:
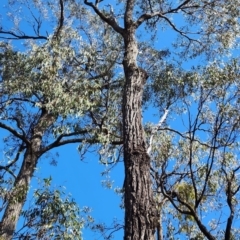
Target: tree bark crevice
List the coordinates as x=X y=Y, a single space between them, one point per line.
x=140 y=208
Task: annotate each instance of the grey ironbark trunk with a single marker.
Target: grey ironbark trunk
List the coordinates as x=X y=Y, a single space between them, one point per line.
x=140 y=209
x=19 y=193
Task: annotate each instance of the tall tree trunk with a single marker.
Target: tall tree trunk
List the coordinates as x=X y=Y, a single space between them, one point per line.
x=140 y=209
x=141 y=218
x=19 y=193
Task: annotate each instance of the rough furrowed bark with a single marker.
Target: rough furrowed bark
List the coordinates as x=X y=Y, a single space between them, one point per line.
x=19 y=193
x=140 y=209
x=140 y=216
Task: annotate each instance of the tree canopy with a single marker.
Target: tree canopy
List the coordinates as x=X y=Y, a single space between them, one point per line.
x=88 y=72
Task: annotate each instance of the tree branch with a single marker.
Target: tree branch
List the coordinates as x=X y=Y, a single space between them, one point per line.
x=12 y=99
x=59 y=142
x=61 y=19
x=187 y=137
x=229 y=194
x=20 y=37
x=14 y=132
x=109 y=20
x=155 y=129
x=192 y=213
x=74 y=140
x=128 y=21
x=18 y=124
x=148 y=16
x=6 y=168
x=180 y=6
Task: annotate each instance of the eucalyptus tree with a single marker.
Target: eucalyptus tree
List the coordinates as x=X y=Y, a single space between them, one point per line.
x=55 y=90
x=84 y=81
x=195 y=153
x=209 y=28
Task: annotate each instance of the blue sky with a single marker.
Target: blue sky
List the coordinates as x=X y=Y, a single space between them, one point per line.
x=83 y=180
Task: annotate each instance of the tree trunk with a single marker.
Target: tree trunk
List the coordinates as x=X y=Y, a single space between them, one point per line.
x=19 y=193
x=140 y=209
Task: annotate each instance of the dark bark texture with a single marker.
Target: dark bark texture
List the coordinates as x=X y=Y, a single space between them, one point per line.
x=140 y=209
x=141 y=215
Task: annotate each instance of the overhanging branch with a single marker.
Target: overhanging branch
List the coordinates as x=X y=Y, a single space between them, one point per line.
x=109 y=20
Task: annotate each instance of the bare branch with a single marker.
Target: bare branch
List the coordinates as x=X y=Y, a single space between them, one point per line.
x=109 y=20
x=14 y=132
x=97 y=2
x=38 y=21
x=59 y=141
x=8 y=170
x=148 y=16
x=156 y=128
x=18 y=124
x=15 y=36
x=180 y=6
x=7 y=167
x=187 y=137
x=74 y=140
